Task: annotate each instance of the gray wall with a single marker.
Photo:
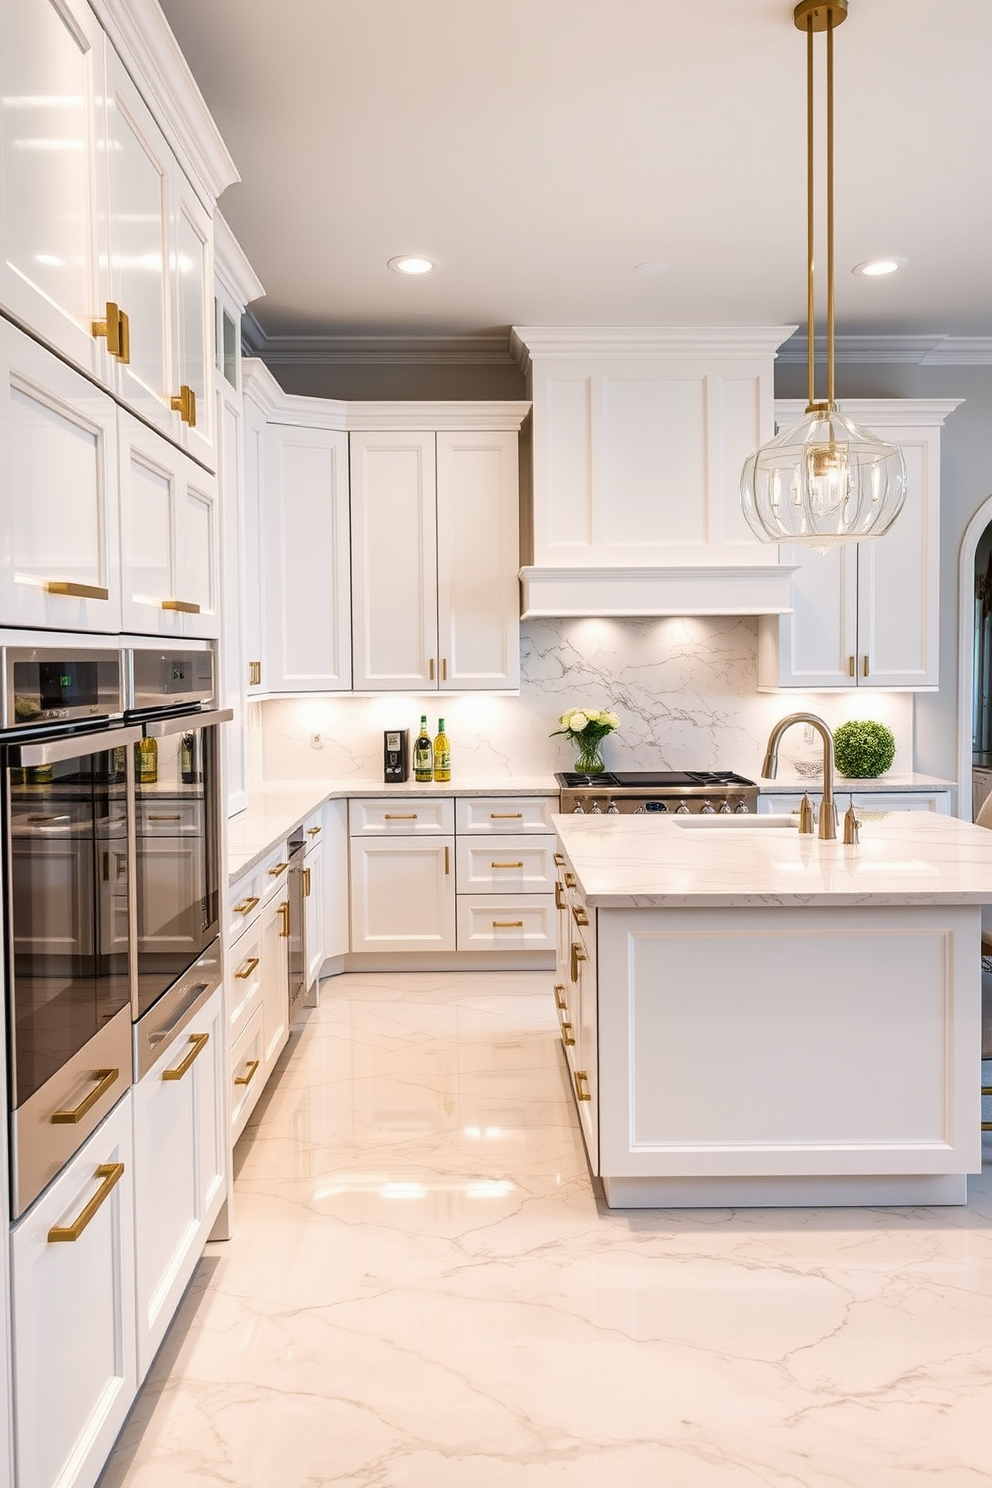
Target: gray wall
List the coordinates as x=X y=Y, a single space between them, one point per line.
x=396 y=380
x=965 y=483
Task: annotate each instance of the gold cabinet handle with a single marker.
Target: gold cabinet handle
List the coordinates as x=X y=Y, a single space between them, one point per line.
x=578 y=954
x=581 y=1078
x=254 y=674
x=559 y=860
x=306 y=883
x=579 y=915
x=508 y=924
x=185 y=405
x=507 y=865
x=246 y=968
x=199 y=1042
x=277 y=868
x=77 y=591
x=399 y=816
x=124 y=355
x=111 y=1173
x=444 y=669
x=172 y=816
x=505 y=815
x=567 y=1034
x=312 y=831
x=247 y=905
x=447 y=860
x=104 y=1079
x=560 y=1002
x=851 y=667
x=569 y=880
x=559 y=896
x=430 y=669
x=184 y=606
x=251 y=1066
x=284 y=911
x=117 y=329
x=865 y=669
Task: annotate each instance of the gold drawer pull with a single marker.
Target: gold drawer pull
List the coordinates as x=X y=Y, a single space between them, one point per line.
x=851 y=669
x=173 y=816
x=569 y=880
x=247 y=905
x=866 y=670
x=444 y=669
x=430 y=669
x=400 y=816
x=111 y=1173
x=199 y=1042
x=447 y=860
x=306 y=883
x=312 y=831
x=277 y=868
x=578 y=954
x=104 y=1078
x=559 y=896
x=185 y=606
x=559 y=860
x=117 y=329
x=246 y=968
x=505 y=815
x=581 y=1078
x=579 y=915
x=254 y=674
x=78 y=591
x=184 y=403
x=567 y=1034
x=560 y=1002
x=251 y=1066
x=284 y=911
x=508 y=924
x=506 y=865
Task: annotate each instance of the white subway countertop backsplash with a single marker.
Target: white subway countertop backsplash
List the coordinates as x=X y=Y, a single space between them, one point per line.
x=277 y=807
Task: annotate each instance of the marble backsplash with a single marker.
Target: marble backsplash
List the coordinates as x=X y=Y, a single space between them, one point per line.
x=685 y=691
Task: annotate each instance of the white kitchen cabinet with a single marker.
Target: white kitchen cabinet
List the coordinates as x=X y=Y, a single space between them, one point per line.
x=179 y=1169
x=274 y=945
x=258 y=980
x=576 y=1003
x=170 y=538
x=915 y=800
x=434 y=559
x=247 y=1055
x=337 y=925
x=60 y=558
x=73 y=1309
x=308 y=588
x=865 y=614
x=252 y=556
x=402 y=896
x=313 y=906
x=52 y=177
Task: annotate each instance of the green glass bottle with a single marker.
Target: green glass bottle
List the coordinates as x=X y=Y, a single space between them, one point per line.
x=423 y=754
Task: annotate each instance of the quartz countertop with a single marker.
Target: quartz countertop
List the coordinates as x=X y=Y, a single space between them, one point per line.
x=788 y=782
x=904 y=857
x=278 y=807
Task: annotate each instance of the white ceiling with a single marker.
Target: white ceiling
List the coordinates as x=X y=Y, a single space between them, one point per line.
x=539 y=149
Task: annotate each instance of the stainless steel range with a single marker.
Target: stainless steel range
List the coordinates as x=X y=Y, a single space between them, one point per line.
x=635 y=791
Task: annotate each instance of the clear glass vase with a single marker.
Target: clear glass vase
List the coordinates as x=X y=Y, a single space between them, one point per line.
x=589 y=760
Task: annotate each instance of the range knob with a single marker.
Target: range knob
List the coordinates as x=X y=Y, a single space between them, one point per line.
x=707 y=809
x=742 y=809
x=613 y=809
x=641 y=811
x=682 y=810
x=725 y=809
x=578 y=809
x=595 y=809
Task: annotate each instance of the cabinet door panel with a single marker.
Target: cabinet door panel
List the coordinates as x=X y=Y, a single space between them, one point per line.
x=274 y=928
x=73 y=1317
x=179 y=1135
x=256 y=618
x=58 y=498
x=313 y=908
x=477 y=559
x=230 y=467
x=198 y=569
x=151 y=476
x=307 y=562
x=394 y=561
x=819 y=641
x=402 y=895
x=192 y=281
x=51 y=192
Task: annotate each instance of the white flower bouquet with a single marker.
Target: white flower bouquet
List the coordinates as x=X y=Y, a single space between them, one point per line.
x=587 y=727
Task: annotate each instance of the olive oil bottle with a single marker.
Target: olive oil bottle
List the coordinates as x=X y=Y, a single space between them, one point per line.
x=442 y=754
x=423 y=754
x=146 y=762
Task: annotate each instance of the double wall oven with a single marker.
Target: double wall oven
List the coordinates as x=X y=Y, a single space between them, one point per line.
x=111 y=872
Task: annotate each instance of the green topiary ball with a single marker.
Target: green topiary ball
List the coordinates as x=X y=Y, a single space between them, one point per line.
x=863 y=749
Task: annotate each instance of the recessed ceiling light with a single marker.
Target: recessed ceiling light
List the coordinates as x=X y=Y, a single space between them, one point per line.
x=408 y=263
x=652 y=266
x=876 y=268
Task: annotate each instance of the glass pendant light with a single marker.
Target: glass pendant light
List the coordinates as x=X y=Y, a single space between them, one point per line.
x=826 y=479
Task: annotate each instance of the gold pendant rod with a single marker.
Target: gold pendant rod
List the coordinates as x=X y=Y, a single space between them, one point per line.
x=830 y=208
x=810 y=303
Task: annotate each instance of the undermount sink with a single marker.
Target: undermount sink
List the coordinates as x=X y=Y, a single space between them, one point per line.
x=714 y=822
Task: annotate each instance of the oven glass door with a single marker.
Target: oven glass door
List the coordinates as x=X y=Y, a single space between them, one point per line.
x=176 y=849
x=68 y=940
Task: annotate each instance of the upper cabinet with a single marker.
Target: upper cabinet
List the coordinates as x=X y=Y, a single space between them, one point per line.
x=639 y=436
x=105 y=212
x=865 y=614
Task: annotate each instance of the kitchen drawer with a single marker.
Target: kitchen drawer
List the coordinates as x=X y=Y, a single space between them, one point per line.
x=245 y=978
x=170 y=818
x=503 y=814
x=402 y=817
x=253 y=890
x=504 y=865
x=505 y=922
x=246 y=1072
x=313 y=828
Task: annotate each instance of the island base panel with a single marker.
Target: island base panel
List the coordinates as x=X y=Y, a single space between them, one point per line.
x=863 y=1190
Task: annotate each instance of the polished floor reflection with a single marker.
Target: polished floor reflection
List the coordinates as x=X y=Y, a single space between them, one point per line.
x=423 y=1292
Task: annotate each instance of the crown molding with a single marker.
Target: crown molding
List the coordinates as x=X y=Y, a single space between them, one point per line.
x=143 y=39
x=530 y=342
x=917 y=351
x=231 y=265
x=892 y=413
x=259 y=384
x=447 y=351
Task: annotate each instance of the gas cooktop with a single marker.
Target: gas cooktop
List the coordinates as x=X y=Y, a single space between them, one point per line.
x=651 y=780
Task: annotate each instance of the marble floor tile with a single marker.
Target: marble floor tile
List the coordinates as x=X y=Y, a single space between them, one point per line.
x=424 y=1291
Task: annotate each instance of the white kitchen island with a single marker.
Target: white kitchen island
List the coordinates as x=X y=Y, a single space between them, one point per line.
x=754 y=1017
